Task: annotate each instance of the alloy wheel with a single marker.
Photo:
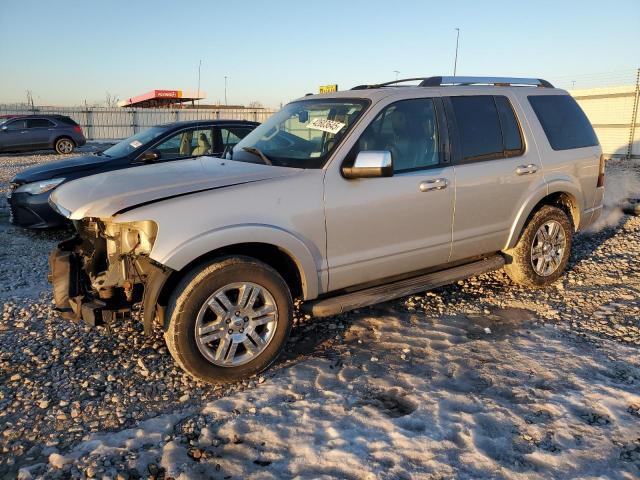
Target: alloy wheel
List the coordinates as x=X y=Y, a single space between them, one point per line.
x=236 y=324
x=548 y=248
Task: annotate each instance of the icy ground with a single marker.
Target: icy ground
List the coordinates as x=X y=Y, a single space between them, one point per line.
x=481 y=379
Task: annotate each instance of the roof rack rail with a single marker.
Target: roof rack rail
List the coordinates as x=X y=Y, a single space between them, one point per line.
x=387 y=84
x=442 y=81
x=499 y=81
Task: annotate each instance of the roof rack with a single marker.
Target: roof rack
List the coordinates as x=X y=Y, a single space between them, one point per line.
x=499 y=81
x=442 y=81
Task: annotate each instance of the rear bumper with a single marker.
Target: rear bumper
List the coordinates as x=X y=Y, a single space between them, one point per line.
x=33 y=211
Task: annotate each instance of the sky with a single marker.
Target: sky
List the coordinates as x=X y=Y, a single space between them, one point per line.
x=67 y=52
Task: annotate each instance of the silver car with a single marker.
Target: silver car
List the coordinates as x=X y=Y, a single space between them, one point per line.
x=341 y=200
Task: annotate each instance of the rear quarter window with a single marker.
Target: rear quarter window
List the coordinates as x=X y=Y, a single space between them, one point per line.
x=563 y=121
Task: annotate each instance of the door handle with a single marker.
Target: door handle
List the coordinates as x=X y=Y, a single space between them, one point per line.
x=435 y=184
x=526 y=169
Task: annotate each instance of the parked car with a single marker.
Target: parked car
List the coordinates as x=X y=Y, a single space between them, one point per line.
x=341 y=200
x=30 y=189
x=39 y=132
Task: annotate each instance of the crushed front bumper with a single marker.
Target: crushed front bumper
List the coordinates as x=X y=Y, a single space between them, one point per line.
x=75 y=300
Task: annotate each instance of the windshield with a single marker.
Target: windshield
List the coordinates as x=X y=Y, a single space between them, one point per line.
x=302 y=134
x=125 y=147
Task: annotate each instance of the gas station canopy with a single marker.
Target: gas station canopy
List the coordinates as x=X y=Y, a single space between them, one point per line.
x=162 y=98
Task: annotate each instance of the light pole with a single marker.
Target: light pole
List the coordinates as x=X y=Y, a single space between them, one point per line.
x=225 y=91
x=199 y=66
x=397 y=73
x=455 y=62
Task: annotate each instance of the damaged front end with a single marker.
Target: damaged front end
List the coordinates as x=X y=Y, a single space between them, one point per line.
x=99 y=274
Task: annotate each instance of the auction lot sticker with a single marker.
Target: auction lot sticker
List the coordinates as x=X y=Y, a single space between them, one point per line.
x=326 y=125
x=136 y=143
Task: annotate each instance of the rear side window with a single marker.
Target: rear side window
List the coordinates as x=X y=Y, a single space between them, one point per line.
x=39 y=123
x=67 y=120
x=510 y=128
x=563 y=121
x=479 y=127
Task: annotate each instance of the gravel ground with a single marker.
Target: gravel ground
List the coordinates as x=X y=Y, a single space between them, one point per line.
x=74 y=400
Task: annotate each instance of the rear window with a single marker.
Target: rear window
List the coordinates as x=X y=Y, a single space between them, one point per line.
x=479 y=127
x=563 y=121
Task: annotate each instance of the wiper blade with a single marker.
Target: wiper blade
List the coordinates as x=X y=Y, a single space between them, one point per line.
x=258 y=152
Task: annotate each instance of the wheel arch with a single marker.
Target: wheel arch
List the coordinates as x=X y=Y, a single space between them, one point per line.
x=564 y=197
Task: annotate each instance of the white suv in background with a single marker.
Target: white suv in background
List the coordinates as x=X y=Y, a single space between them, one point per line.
x=341 y=200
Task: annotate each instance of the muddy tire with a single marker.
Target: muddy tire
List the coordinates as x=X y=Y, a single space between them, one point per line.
x=228 y=319
x=542 y=252
x=64 y=145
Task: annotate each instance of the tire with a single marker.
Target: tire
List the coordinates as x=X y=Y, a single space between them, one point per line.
x=196 y=331
x=64 y=145
x=551 y=253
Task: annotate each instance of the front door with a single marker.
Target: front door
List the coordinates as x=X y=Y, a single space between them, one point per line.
x=382 y=227
x=15 y=135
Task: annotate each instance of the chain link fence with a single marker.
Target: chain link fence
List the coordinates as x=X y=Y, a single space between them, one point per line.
x=101 y=123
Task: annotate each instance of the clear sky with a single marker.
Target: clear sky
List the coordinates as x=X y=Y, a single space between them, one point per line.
x=66 y=51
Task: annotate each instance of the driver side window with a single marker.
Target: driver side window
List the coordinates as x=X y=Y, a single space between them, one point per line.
x=409 y=130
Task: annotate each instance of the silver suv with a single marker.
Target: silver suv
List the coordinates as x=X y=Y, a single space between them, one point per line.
x=341 y=200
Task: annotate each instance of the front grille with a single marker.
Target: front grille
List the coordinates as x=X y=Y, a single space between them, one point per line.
x=23 y=216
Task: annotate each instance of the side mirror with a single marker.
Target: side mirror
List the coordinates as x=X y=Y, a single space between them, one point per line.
x=149 y=156
x=371 y=164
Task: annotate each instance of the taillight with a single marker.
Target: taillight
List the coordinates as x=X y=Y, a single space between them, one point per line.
x=78 y=129
x=601 y=172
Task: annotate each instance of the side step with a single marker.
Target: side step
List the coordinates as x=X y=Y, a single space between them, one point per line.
x=363 y=298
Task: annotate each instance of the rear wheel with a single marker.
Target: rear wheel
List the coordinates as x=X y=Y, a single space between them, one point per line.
x=542 y=252
x=229 y=319
x=64 y=145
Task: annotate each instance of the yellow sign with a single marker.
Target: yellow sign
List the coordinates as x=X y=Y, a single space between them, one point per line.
x=329 y=88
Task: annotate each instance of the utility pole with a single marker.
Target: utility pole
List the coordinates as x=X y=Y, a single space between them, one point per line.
x=634 y=117
x=225 y=91
x=455 y=62
x=199 y=65
x=397 y=73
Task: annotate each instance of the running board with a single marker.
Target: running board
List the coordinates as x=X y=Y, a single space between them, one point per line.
x=363 y=298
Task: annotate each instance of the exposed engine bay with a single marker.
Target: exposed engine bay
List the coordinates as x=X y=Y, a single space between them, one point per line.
x=103 y=270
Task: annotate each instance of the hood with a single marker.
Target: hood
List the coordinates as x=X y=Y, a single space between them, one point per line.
x=105 y=194
x=59 y=168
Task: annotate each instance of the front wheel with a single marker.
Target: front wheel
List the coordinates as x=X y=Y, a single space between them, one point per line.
x=228 y=319
x=64 y=146
x=542 y=252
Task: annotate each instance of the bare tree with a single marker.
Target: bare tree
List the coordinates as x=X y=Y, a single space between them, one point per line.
x=111 y=100
x=255 y=104
x=30 y=100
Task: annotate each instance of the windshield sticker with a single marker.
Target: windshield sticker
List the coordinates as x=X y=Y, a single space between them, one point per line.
x=136 y=143
x=326 y=125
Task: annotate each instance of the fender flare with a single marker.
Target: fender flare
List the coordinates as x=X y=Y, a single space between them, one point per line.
x=554 y=186
x=306 y=258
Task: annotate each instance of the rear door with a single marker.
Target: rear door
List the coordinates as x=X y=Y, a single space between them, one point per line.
x=39 y=131
x=497 y=168
x=383 y=227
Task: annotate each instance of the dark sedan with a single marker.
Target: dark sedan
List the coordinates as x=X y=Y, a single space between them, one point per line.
x=30 y=189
